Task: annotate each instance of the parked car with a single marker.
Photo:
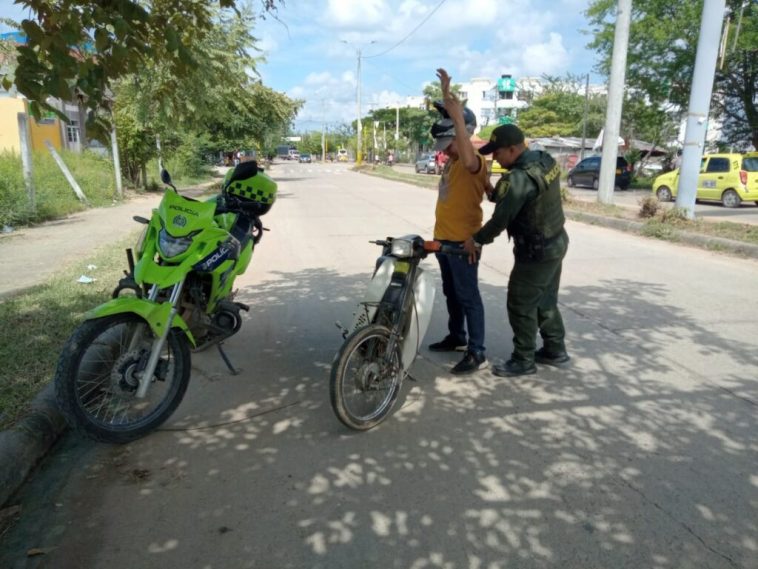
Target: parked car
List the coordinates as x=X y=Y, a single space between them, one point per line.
x=342 y=155
x=426 y=163
x=305 y=157
x=587 y=173
x=728 y=178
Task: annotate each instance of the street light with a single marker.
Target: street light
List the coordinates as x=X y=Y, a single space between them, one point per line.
x=358 y=151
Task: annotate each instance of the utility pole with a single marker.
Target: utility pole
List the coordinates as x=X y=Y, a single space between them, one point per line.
x=615 y=103
x=584 y=119
x=26 y=158
x=397 y=124
x=700 y=101
x=359 y=144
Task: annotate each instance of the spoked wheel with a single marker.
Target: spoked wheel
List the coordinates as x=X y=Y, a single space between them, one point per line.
x=98 y=375
x=365 y=379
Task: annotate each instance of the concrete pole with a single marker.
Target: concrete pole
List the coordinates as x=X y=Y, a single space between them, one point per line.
x=359 y=144
x=26 y=159
x=615 y=103
x=584 y=119
x=397 y=124
x=700 y=101
x=160 y=154
x=116 y=164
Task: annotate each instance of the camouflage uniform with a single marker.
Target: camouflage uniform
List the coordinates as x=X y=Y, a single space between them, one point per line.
x=529 y=208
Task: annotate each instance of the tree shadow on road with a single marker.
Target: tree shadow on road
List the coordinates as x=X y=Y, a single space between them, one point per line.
x=632 y=456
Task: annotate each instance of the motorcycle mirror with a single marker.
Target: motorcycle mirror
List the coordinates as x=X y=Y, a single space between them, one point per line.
x=165 y=176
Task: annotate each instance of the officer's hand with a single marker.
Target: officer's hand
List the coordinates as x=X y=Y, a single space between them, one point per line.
x=469 y=245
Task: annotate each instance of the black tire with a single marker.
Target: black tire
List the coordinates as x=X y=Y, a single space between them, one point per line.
x=369 y=377
x=664 y=194
x=731 y=199
x=595 y=184
x=570 y=182
x=100 y=348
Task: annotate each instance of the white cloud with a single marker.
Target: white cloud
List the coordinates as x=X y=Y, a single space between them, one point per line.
x=550 y=57
x=470 y=38
x=355 y=15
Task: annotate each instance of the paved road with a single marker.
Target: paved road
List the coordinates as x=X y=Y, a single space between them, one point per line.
x=746 y=213
x=642 y=454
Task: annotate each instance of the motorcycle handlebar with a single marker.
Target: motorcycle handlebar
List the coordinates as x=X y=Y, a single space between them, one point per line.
x=431 y=247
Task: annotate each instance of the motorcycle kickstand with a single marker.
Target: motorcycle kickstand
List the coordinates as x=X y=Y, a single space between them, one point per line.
x=226 y=360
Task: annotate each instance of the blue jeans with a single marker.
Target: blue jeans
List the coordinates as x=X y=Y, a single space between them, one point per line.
x=460 y=284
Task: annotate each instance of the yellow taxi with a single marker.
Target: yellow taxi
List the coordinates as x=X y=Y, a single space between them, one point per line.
x=728 y=178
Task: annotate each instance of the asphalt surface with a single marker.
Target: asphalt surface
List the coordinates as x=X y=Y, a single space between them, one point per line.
x=641 y=454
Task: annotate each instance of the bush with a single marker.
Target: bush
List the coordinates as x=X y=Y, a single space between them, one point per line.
x=649 y=207
x=54 y=196
x=675 y=216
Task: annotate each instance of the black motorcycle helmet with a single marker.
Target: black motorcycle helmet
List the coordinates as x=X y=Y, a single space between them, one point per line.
x=444 y=129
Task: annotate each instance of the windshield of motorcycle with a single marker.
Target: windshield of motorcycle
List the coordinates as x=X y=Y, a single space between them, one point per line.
x=182 y=216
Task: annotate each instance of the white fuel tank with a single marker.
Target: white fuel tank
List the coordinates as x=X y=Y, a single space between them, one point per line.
x=423 y=297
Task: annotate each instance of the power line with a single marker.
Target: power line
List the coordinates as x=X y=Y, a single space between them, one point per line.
x=409 y=34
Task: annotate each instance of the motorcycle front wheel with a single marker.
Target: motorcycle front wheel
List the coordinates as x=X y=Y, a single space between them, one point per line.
x=365 y=379
x=97 y=378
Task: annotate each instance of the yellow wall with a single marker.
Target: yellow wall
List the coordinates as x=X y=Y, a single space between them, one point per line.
x=42 y=132
x=9 y=136
x=9 y=109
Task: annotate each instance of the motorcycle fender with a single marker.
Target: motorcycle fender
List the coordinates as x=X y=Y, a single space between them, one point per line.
x=423 y=304
x=155 y=314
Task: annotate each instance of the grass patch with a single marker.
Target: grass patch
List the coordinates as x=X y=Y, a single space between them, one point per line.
x=37 y=323
x=53 y=194
x=422 y=180
x=597 y=208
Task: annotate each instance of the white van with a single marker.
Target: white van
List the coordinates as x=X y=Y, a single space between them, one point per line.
x=342 y=155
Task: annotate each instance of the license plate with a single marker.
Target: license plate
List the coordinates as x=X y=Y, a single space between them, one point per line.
x=402 y=267
x=618 y=171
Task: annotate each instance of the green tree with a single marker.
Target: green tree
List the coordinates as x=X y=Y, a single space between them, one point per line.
x=559 y=110
x=216 y=106
x=77 y=49
x=662 y=46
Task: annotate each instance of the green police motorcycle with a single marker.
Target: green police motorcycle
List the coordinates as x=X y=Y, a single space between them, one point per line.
x=126 y=368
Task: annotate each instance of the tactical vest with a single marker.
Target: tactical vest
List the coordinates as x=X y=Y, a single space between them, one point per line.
x=542 y=218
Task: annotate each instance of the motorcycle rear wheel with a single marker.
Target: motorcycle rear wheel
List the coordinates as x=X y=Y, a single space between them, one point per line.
x=363 y=387
x=95 y=381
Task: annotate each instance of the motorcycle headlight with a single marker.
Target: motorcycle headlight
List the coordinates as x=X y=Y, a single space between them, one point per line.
x=172 y=246
x=401 y=248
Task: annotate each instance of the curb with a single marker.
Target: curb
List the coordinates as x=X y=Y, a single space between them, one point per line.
x=29 y=440
x=702 y=241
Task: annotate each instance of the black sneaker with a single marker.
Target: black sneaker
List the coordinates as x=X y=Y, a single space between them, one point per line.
x=513 y=368
x=448 y=345
x=472 y=361
x=557 y=359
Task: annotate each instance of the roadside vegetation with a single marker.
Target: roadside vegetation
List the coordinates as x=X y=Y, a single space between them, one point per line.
x=36 y=324
x=55 y=198
x=658 y=221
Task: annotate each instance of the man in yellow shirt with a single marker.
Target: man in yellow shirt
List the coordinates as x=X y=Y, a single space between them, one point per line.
x=458 y=215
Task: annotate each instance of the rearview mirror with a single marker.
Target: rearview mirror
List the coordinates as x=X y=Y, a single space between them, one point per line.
x=165 y=176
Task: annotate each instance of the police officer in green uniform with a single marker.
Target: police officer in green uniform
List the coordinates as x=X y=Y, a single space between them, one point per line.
x=528 y=206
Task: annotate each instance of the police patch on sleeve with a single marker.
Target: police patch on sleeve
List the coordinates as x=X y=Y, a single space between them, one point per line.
x=502 y=186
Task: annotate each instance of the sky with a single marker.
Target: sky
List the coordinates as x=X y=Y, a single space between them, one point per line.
x=311 y=48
